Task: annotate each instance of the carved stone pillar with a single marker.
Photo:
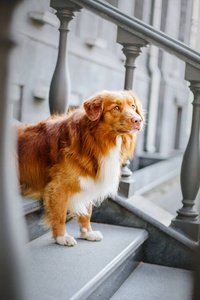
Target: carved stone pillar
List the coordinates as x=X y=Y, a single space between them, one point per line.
x=60 y=85
x=187 y=217
x=131 y=48
x=154 y=84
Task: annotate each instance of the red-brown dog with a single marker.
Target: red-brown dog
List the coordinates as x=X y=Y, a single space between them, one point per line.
x=73 y=161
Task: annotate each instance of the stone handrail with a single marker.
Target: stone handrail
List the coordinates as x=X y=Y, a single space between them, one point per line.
x=142 y=30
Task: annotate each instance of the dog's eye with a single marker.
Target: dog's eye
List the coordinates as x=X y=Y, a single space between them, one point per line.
x=116 y=108
x=133 y=106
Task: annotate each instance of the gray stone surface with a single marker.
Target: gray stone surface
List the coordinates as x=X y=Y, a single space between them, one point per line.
x=151 y=209
x=30 y=205
x=165 y=245
x=168 y=196
x=152 y=176
x=152 y=282
x=58 y=272
x=34 y=224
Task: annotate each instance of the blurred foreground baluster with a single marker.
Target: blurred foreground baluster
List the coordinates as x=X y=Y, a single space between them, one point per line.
x=12 y=231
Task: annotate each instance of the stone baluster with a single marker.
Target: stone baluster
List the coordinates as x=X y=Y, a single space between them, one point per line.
x=187 y=217
x=131 y=49
x=154 y=84
x=60 y=85
x=12 y=234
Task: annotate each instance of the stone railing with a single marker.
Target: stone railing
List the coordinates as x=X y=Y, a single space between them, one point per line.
x=133 y=34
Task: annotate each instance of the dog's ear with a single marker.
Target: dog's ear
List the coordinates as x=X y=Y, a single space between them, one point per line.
x=93 y=108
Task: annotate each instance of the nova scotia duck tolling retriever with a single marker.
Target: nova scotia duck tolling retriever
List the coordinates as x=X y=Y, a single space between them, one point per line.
x=72 y=161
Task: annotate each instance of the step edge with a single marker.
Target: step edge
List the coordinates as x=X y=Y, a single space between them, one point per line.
x=157 y=182
x=138 y=269
x=29 y=208
x=93 y=284
x=167 y=230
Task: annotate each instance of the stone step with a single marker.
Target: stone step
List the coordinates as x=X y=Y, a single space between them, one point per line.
x=31 y=205
x=33 y=212
x=153 y=282
x=89 y=270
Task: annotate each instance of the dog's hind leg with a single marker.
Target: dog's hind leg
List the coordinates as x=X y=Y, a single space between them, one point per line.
x=85 y=227
x=55 y=200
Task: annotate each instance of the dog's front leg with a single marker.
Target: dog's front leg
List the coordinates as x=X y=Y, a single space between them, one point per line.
x=55 y=200
x=85 y=228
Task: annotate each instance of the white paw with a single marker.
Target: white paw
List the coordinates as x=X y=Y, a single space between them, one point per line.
x=66 y=240
x=91 y=236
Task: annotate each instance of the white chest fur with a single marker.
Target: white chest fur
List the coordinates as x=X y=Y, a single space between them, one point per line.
x=95 y=191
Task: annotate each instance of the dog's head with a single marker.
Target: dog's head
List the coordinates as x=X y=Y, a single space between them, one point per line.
x=120 y=111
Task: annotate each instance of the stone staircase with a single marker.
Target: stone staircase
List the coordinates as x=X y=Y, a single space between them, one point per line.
x=118 y=267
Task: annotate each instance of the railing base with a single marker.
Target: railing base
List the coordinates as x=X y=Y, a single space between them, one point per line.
x=191 y=229
x=127 y=187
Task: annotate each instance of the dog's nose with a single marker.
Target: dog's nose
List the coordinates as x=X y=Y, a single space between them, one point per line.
x=136 y=120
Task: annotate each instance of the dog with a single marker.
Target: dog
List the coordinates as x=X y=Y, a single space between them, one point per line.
x=72 y=161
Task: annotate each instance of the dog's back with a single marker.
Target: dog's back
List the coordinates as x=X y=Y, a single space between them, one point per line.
x=41 y=147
